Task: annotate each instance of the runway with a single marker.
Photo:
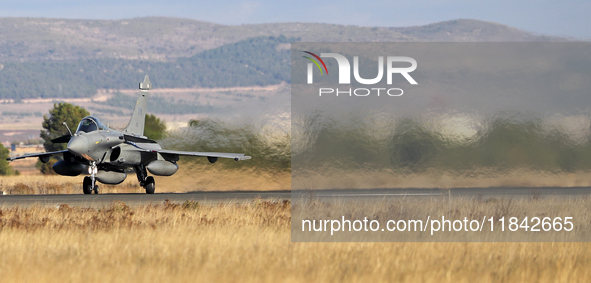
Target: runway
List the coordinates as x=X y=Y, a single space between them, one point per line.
x=505 y=192
x=214 y=197
x=101 y=200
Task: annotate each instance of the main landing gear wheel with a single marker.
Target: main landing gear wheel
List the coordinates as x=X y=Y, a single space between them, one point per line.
x=150 y=185
x=87 y=185
x=145 y=181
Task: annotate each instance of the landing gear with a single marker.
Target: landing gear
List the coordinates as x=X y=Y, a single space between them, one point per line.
x=89 y=183
x=88 y=187
x=150 y=185
x=145 y=181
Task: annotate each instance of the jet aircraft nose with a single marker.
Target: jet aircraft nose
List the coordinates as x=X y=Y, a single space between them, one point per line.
x=78 y=144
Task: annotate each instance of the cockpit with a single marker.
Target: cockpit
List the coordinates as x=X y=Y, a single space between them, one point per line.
x=90 y=124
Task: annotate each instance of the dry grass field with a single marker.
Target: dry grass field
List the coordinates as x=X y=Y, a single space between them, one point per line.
x=189 y=242
x=190 y=177
x=426 y=209
x=371 y=179
x=212 y=177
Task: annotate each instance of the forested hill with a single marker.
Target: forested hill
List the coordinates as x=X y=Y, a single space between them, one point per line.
x=254 y=61
x=72 y=58
x=163 y=39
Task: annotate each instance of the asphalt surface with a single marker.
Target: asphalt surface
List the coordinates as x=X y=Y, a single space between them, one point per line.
x=101 y=200
x=506 y=192
x=248 y=196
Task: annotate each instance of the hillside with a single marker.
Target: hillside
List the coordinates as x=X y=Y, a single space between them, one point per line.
x=57 y=58
x=254 y=61
x=162 y=39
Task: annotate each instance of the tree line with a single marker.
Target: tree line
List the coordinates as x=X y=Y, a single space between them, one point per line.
x=503 y=142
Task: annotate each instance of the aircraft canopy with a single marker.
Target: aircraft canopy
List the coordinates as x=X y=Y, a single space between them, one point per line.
x=90 y=124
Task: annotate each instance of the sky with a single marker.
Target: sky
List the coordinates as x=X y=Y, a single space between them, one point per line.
x=571 y=18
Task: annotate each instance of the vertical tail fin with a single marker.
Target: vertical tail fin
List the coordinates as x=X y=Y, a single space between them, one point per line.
x=138 y=118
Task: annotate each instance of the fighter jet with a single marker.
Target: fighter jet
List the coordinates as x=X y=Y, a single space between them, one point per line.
x=107 y=155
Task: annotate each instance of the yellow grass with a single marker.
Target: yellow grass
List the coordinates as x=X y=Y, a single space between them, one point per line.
x=434 y=208
x=248 y=243
x=55 y=184
x=213 y=177
x=372 y=179
x=190 y=177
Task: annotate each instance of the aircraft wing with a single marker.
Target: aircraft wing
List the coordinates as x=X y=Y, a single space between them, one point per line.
x=40 y=154
x=210 y=155
x=235 y=156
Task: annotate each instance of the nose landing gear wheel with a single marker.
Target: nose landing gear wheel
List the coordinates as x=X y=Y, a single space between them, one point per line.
x=150 y=185
x=89 y=183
